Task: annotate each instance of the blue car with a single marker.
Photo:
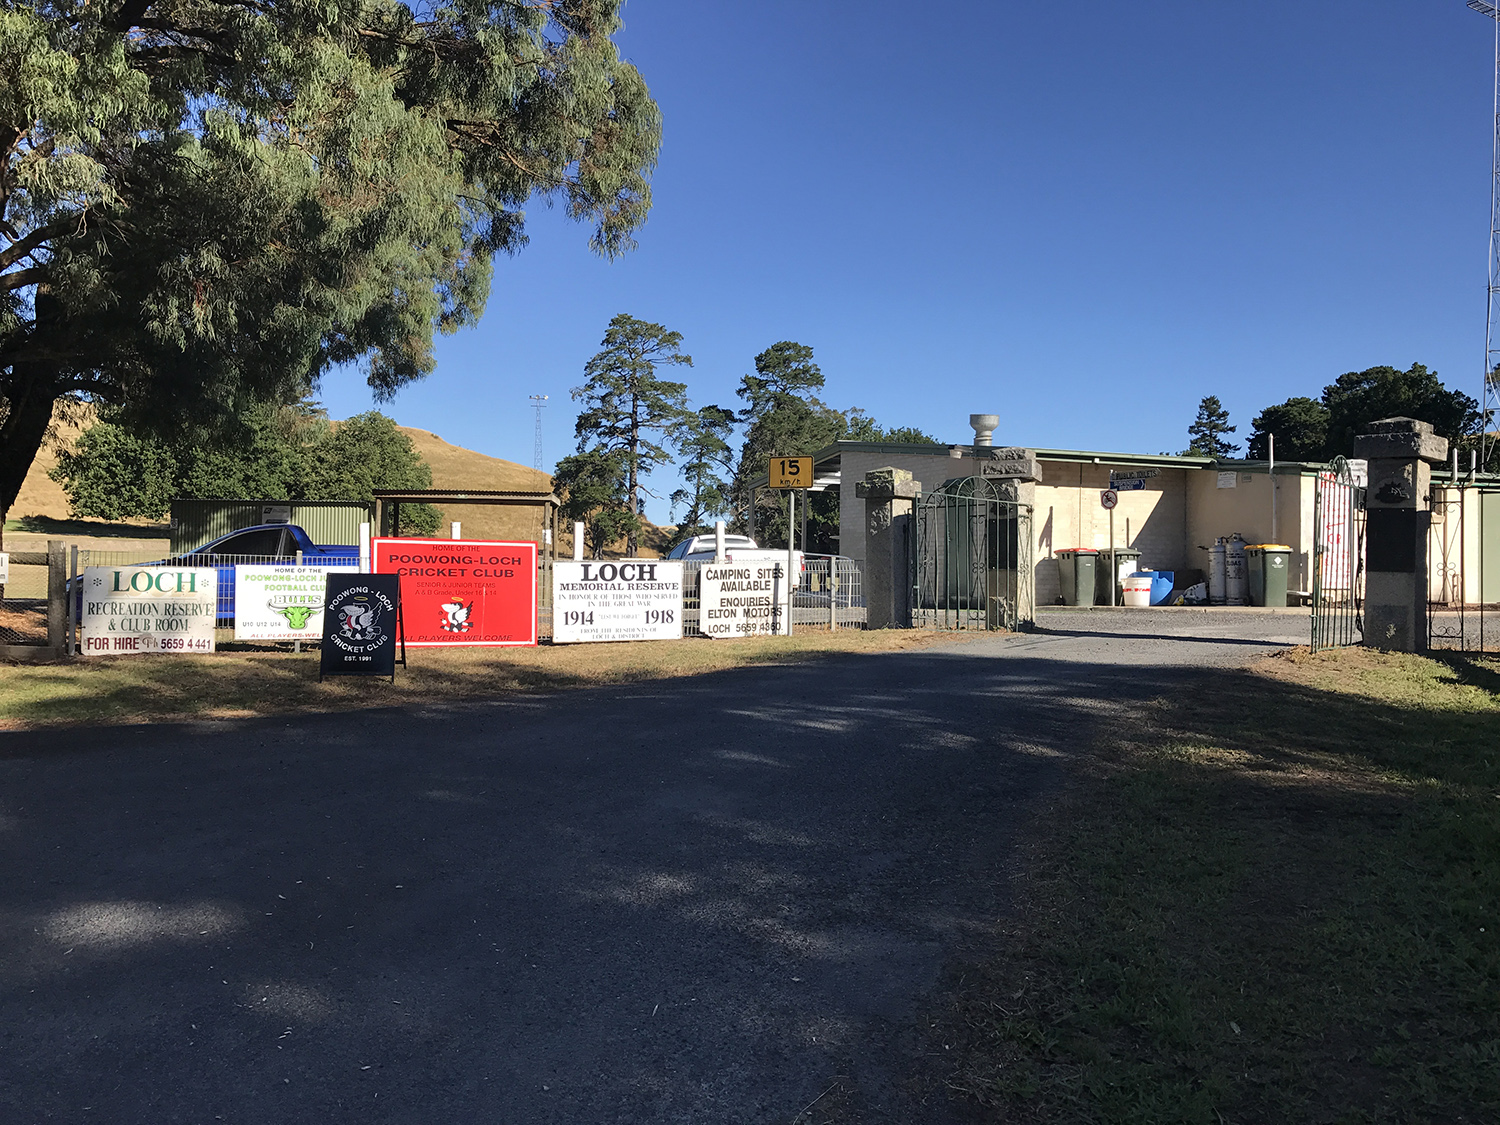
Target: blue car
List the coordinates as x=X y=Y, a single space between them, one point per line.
x=265 y=544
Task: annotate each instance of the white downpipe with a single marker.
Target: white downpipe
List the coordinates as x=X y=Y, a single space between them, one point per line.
x=1271 y=442
x=578 y=541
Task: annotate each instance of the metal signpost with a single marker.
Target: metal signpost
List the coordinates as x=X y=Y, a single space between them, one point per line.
x=791 y=474
x=1108 y=499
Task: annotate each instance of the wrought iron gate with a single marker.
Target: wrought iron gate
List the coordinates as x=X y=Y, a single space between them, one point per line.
x=1463 y=568
x=1338 y=578
x=971 y=557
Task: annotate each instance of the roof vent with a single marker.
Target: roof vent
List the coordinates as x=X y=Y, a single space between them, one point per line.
x=984 y=428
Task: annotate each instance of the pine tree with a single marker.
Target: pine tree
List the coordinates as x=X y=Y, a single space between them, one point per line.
x=627 y=410
x=703 y=440
x=1208 y=430
x=782 y=418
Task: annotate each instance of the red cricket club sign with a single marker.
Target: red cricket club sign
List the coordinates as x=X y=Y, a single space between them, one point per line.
x=463 y=591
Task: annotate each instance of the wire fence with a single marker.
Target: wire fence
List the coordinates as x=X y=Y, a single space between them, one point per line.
x=1463 y=581
x=23 y=600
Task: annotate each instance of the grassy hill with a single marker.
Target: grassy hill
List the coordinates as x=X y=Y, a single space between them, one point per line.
x=42 y=506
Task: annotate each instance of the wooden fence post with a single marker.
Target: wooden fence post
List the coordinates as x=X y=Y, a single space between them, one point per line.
x=57 y=595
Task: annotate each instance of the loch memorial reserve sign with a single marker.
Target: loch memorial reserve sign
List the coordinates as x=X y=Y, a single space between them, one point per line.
x=628 y=600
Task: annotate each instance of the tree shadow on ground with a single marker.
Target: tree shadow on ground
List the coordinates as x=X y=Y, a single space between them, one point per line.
x=711 y=899
x=1265 y=901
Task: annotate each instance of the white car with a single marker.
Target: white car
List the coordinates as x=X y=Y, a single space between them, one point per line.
x=737 y=548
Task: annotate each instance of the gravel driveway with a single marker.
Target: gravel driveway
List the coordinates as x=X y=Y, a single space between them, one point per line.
x=703 y=900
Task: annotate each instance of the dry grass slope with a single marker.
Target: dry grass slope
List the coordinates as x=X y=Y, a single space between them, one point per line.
x=43 y=505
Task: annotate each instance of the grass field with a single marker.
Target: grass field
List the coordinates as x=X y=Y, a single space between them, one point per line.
x=1273 y=901
x=140 y=689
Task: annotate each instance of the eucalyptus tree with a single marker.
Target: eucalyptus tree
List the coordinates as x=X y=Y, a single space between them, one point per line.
x=627 y=410
x=206 y=204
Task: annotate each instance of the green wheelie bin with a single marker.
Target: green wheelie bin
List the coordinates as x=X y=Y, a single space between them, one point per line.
x=1075 y=571
x=1267 y=565
x=1127 y=562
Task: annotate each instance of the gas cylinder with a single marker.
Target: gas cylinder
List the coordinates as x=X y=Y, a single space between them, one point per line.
x=1216 y=572
x=1236 y=574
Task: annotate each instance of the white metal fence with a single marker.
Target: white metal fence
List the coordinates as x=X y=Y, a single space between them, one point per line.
x=830 y=594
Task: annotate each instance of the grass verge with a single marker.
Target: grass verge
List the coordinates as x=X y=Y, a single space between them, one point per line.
x=1272 y=900
x=141 y=689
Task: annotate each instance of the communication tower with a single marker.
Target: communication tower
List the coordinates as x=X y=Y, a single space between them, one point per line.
x=1492 y=303
x=539 y=402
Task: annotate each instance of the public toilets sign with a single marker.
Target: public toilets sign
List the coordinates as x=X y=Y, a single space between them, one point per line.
x=743 y=599
x=136 y=609
x=630 y=600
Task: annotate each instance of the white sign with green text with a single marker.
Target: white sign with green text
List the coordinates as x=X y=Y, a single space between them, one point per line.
x=135 y=609
x=281 y=603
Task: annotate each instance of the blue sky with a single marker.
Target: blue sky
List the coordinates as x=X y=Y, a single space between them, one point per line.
x=1083 y=217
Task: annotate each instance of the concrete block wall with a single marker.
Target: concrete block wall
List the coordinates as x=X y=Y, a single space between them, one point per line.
x=1177 y=512
x=1069 y=514
x=1246 y=508
x=930 y=470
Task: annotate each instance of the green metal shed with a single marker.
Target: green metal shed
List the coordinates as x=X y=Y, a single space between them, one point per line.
x=196 y=522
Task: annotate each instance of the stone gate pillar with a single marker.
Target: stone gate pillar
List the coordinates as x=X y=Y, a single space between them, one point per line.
x=1398 y=504
x=888 y=494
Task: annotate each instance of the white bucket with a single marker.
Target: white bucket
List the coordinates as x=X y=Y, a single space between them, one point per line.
x=1137 y=590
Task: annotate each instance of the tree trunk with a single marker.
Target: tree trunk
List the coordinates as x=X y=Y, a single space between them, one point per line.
x=633 y=536
x=22 y=433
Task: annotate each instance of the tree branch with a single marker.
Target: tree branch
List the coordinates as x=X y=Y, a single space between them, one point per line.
x=129 y=13
x=25 y=246
x=22 y=278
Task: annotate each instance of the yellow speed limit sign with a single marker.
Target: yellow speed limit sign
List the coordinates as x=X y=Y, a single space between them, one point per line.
x=791 y=472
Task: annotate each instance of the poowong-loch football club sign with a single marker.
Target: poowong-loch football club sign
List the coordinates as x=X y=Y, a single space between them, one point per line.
x=280 y=603
x=463 y=591
x=361 y=625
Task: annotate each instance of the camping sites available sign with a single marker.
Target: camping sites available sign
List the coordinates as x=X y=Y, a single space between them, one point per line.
x=631 y=600
x=463 y=591
x=281 y=603
x=361 y=625
x=135 y=609
x=742 y=599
